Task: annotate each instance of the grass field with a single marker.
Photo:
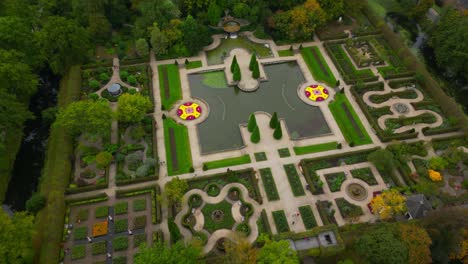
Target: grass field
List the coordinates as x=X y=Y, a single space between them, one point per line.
x=193 y=65
x=348 y=121
x=183 y=156
x=49 y=222
x=169 y=83
x=285 y=53
x=315 y=148
x=227 y=162
x=318 y=66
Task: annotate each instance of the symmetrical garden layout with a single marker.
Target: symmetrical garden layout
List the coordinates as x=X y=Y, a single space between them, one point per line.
x=337 y=101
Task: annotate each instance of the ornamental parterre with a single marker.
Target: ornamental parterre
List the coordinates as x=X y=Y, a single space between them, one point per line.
x=316 y=93
x=189 y=111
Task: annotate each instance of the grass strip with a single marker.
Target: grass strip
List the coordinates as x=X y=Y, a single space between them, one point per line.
x=315 y=148
x=227 y=162
x=179 y=149
x=169 y=81
x=317 y=65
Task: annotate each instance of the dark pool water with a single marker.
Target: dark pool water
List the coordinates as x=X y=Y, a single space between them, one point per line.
x=30 y=158
x=230 y=107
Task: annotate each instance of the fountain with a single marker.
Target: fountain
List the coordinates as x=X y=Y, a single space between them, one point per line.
x=217 y=215
x=356 y=192
x=401 y=108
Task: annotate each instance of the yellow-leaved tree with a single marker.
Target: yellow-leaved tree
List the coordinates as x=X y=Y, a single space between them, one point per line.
x=435 y=175
x=417 y=241
x=389 y=204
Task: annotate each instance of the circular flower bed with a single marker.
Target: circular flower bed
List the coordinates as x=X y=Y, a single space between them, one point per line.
x=189 y=111
x=316 y=93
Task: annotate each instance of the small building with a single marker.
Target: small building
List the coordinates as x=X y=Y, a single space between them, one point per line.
x=114 y=89
x=418 y=206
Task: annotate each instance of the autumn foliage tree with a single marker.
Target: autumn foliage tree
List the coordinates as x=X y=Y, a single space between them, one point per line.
x=418 y=242
x=388 y=204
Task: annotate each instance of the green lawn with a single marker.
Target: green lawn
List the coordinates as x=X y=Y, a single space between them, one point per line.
x=183 y=154
x=349 y=123
x=315 y=148
x=193 y=65
x=315 y=66
x=227 y=162
x=225 y=223
x=173 y=83
x=285 y=53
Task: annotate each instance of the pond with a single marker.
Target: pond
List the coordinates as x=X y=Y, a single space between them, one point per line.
x=216 y=56
x=230 y=107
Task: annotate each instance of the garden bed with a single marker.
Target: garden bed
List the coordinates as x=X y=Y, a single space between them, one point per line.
x=347 y=209
x=294 y=180
x=178 y=152
x=281 y=221
x=269 y=184
x=335 y=180
x=307 y=216
x=364 y=174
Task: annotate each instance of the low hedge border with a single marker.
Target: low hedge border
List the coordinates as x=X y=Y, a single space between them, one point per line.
x=156 y=212
x=136 y=180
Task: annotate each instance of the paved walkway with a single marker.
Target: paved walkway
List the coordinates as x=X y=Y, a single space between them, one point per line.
x=288 y=202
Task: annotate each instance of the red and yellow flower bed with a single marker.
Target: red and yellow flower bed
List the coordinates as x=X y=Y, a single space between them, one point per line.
x=189 y=111
x=316 y=93
x=100 y=229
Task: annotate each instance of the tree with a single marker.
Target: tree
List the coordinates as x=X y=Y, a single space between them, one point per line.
x=12 y=113
x=103 y=159
x=274 y=120
x=241 y=10
x=236 y=76
x=99 y=28
x=239 y=250
x=176 y=254
x=132 y=108
x=255 y=136
x=159 y=41
x=63 y=43
x=16 y=77
x=253 y=60
x=175 y=189
x=383 y=160
x=234 y=64
x=141 y=46
x=449 y=43
x=278 y=133
x=388 y=204
x=382 y=246
x=153 y=11
x=252 y=123
x=438 y=163
x=16 y=235
x=35 y=203
x=256 y=71
x=417 y=241
x=195 y=35
x=277 y=252
x=214 y=13
x=93 y=118
x=354 y=6
x=332 y=8
x=446 y=228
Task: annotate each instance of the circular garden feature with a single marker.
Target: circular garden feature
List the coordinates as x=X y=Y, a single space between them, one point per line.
x=401 y=108
x=218 y=216
x=356 y=191
x=316 y=93
x=195 y=200
x=234 y=194
x=189 y=111
x=231 y=26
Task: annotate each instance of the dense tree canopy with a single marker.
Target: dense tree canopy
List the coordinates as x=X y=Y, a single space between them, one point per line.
x=93 y=118
x=63 y=43
x=417 y=241
x=389 y=204
x=132 y=108
x=277 y=252
x=450 y=45
x=16 y=234
x=175 y=189
x=382 y=246
x=176 y=254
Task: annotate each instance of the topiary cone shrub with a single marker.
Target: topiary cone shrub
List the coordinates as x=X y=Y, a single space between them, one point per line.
x=252 y=123
x=255 y=136
x=278 y=133
x=274 y=120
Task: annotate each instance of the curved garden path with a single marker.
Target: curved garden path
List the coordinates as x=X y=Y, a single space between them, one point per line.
x=116 y=77
x=411 y=111
x=214 y=200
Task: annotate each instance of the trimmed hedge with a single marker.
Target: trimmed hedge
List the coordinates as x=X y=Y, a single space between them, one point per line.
x=269 y=184
x=294 y=180
x=281 y=221
x=307 y=216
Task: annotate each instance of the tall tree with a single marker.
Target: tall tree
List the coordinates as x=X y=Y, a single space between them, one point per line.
x=277 y=252
x=417 y=241
x=159 y=41
x=234 y=64
x=389 y=204
x=237 y=76
x=449 y=43
x=252 y=123
x=214 y=13
x=63 y=43
x=239 y=250
x=274 y=120
x=382 y=246
x=93 y=118
x=278 y=133
x=153 y=11
x=175 y=189
x=332 y=8
x=141 y=46
x=255 y=136
x=176 y=254
x=195 y=35
x=256 y=70
x=383 y=160
x=16 y=77
x=253 y=60
x=15 y=236
x=99 y=28
x=132 y=108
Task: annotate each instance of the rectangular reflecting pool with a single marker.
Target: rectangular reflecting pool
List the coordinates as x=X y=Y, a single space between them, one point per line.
x=230 y=107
